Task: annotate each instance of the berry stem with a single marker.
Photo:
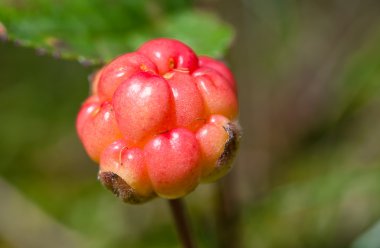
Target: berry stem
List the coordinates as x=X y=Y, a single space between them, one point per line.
x=227 y=213
x=177 y=207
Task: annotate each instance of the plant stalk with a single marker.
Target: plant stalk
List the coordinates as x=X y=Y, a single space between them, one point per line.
x=181 y=221
x=227 y=213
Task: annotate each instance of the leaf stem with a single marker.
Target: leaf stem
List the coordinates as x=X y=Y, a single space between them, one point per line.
x=181 y=222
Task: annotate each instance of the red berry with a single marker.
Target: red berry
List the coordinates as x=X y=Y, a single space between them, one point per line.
x=188 y=103
x=173 y=163
x=218 y=66
x=169 y=54
x=217 y=94
x=121 y=69
x=212 y=138
x=129 y=164
x=143 y=104
x=160 y=120
x=97 y=127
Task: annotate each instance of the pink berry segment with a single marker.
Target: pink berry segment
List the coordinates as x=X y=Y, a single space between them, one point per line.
x=143 y=106
x=121 y=69
x=212 y=138
x=160 y=121
x=175 y=55
x=217 y=94
x=220 y=67
x=188 y=103
x=98 y=128
x=173 y=163
x=129 y=164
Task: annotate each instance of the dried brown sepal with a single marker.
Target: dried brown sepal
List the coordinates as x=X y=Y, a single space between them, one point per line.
x=121 y=189
x=224 y=163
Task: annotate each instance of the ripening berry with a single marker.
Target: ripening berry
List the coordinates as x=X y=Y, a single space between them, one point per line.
x=173 y=162
x=212 y=138
x=121 y=69
x=170 y=54
x=188 y=103
x=217 y=93
x=97 y=127
x=128 y=164
x=218 y=66
x=160 y=121
x=143 y=106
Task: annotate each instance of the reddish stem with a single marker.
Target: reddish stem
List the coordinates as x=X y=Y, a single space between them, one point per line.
x=227 y=214
x=181 y=221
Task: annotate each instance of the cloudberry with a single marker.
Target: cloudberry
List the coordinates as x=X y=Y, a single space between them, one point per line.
x=160 y=121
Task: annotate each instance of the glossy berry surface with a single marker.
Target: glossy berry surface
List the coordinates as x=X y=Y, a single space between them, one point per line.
x=160 y=121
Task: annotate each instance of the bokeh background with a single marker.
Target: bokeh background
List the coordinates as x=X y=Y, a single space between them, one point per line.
x=308 y=170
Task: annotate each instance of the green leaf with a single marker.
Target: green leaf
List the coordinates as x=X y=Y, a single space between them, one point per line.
x=97 y=31
x=202 y=31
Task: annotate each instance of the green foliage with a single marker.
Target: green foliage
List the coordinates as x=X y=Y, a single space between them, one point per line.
x=97 y=30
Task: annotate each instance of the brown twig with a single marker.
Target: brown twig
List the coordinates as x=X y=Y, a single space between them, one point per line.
x=181 y=222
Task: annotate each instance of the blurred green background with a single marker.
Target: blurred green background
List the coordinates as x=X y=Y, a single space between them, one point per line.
x=308 y=170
